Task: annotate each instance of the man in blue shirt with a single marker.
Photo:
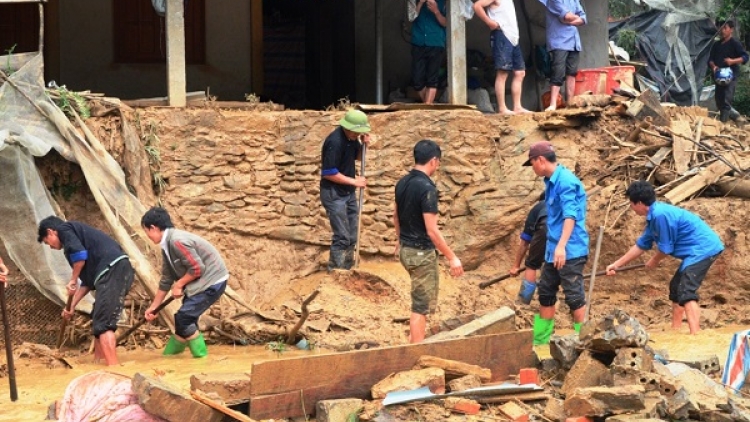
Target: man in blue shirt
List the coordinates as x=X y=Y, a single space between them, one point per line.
x=679 y=233
x=564 y=44
x=567 y=241
x=427 y=45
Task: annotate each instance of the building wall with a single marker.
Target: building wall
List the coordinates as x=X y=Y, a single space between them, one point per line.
x=86 y=53
x=397 y=50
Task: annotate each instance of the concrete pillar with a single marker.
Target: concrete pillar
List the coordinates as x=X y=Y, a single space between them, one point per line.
x=456 y=54
x=594 y=35
x=176 y=79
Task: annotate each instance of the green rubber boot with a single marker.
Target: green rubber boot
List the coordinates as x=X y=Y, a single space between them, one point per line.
x=543 y=329
x=577 y=326
x=198 y=346
x=174 y=347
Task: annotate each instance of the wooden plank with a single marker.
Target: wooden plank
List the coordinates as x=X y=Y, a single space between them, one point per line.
x=657 y=158
x=164 y=101
x=705 y=177
x=281 y=388
x=201 y=397
x=681 y=144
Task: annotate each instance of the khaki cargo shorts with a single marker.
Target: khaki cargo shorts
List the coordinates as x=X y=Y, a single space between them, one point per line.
x=422 y=266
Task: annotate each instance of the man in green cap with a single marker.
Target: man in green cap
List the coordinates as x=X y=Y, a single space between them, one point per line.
x=338 y=184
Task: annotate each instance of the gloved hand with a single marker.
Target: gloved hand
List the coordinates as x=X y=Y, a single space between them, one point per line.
x=526 y=292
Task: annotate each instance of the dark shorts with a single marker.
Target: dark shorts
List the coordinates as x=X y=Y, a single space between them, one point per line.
x=425 y=66
x=570 y=277
x=684 y=285
x=537 y=248
x=506 y=55
x=186 y=319
x=422 y=265
x=111 y=289
x=564 y=63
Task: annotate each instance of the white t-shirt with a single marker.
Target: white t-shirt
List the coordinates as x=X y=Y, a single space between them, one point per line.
x=504 y=13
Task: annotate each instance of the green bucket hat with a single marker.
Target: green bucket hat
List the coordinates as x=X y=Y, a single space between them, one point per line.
x=356 y=121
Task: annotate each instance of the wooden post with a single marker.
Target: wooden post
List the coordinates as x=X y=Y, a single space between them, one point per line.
x=176 y=79
x=456 y=43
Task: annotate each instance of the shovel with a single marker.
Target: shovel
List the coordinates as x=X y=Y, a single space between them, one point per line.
x=64 y=323
x=490 y=282
x=8 y=347
x=142 y=321
x=361 y=203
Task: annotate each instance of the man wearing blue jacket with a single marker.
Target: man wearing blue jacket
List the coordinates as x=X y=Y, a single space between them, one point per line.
x=679 y=233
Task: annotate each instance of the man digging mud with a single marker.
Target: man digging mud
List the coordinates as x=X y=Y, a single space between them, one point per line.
x=193 y=270
x=101 y=265
x=679 y=233
x=338 y=184
x=415 y=217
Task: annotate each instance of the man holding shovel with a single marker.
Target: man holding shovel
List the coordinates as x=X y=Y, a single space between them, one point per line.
x=338 y=184
x=567 y=241
x=101 y=265
x=415 y=217
x=679 y=233
x=192 y=269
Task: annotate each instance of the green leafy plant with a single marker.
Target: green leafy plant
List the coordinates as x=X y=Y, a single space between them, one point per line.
x=71 y=102
x=151 y=146
x=8 y=69
x=742 y=92
x=277 y=347
x=65 y=190
x=626 y=39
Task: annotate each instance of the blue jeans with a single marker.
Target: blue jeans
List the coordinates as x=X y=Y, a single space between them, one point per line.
x=186 y=319
x=342 y=213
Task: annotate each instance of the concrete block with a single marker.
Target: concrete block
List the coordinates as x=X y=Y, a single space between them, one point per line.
x=464 y=383
x=514 y=412
x=434 y=378
x=232 y=388
x=586 y=372
x=167 y=402
x=626 y=375
x=604 y=401
x=554 y=410
x=337 y=410
x=706 y=364
x=635 y=358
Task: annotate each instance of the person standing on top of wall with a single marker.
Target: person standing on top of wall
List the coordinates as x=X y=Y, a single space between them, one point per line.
x=500 y=16
x=338 y=184
x=564 y=44
x=427 y=45
x=727 y=53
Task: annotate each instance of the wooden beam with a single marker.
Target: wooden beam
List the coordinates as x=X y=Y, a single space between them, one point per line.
x=707 y=176
x=283 y=388
x=682 y=133
x=176 y=74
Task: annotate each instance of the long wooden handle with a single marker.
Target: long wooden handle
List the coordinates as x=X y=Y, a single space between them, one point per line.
x=8 y=347
x=64 y=323
x=361 y=204
x=142 y=321
x=490 y=282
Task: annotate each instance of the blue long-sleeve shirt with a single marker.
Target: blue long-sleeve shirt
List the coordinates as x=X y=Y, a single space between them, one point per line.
x=679 y=233
x=565 y=198
x=560 y=35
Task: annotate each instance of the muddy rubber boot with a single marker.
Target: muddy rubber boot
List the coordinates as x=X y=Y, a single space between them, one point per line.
x=577 y=327
x=543 y=329
x=349 y=258
x=734 y=114
x=336 y=260
x=526 y=291
x=723 y=116
x=174 y=347
x=198 y=346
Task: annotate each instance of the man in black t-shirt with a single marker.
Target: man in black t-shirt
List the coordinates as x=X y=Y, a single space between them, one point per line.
x=727 y=52
x=338 y=184
x=101 y=265
x=533 y=241
x=415 y=217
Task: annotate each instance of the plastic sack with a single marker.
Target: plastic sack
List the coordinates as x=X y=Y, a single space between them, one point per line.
x=103 y=397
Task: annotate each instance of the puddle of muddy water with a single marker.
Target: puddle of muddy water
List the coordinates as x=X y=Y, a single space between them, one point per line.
x=39 y=386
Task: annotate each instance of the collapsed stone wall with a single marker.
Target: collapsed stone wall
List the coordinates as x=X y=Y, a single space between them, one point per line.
x=249 y=182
